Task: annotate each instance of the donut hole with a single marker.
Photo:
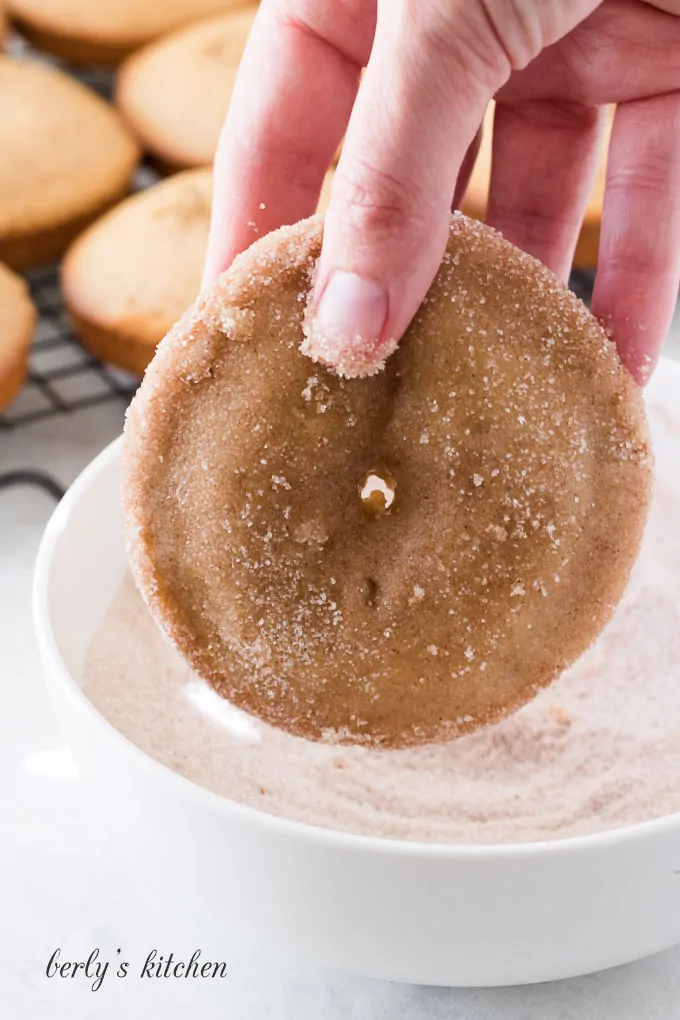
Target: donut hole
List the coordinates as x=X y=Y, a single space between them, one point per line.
x=371 y=591
x=377 y=492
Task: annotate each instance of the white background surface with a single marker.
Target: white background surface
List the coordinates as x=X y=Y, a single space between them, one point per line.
x=67 y=881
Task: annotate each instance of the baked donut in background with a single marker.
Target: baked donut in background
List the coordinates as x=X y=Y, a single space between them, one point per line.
x=174 y=94
x=65 y=158
x=103 y=32
x=133 y=273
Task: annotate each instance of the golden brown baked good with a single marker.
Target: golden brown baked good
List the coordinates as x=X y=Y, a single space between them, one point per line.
x=17 y=321
x=131 y=275
x=477 y=194
x=104 y=31
x=175 y=93
x=513 y=455
x=65 y=157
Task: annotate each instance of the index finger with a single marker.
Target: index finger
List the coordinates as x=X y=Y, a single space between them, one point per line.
x=290 y=105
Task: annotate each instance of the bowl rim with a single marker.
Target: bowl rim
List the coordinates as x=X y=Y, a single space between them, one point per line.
x=304 y=831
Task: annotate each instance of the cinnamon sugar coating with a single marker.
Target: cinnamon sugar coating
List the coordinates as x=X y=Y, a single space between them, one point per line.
x=516 y=449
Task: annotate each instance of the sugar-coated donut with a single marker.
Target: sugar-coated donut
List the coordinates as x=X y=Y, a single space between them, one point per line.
x=396 y=559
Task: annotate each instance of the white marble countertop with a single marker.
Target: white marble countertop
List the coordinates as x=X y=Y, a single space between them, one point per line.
x=67 y=881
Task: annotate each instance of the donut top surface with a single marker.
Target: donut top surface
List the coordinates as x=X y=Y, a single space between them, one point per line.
x=138 y=268
x=63 y=149
x=116 y=22
x=175 y=93
x=398 y=559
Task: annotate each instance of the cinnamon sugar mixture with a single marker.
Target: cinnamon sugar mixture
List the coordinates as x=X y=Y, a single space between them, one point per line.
x=598 y=749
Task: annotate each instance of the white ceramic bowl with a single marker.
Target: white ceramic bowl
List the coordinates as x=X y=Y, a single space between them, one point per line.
x=449 y=915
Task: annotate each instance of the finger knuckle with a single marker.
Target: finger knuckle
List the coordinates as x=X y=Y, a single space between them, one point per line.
x=376 y=201
x=536 y=226
x=503 y=34
x=650 y=177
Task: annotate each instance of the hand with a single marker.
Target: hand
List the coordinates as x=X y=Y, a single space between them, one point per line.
x=410 y=142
